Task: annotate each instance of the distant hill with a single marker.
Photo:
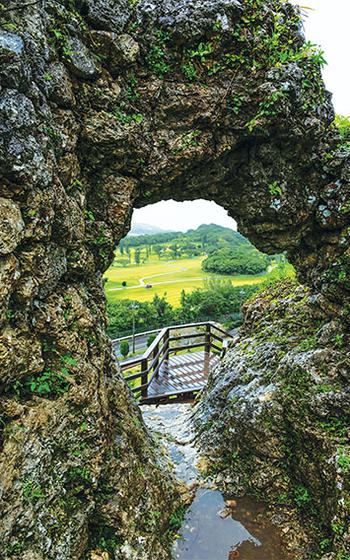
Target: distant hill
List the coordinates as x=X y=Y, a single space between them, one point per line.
x=226 y=251
x=146 y=229
x=205 y=238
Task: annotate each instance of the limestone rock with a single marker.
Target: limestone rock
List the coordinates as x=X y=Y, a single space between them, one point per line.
x=20 y=355
x=59 y=86
x=9 y=273
x=80 y=61
x=188 y=19
x=109 y=105
x=111 y=15
x=14 y=70
x=11 y=226
x=118 y=50
x=266 y=416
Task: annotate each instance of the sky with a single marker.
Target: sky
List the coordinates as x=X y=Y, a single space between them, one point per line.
x=327 y=25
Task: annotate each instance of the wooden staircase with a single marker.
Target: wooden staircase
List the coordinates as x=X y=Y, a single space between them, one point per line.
x=176 y=365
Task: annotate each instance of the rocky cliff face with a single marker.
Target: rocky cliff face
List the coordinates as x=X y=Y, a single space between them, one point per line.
x=106 y=105
x=274 y=420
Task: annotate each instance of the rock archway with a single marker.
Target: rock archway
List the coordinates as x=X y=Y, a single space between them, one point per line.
x=106 y=105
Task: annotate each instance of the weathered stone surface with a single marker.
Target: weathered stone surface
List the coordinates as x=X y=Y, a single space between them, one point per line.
x=111 y=15
x=80 y=61
x=9 y=273
x=181 y=100
x=20 y=355
x=59 y=86
x=11 y=226
x=118 y=50
x=14 y=70
x=274 y=418
x=190 y=20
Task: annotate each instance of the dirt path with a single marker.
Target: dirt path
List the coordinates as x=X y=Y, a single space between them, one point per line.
x=142 y=280
x=156 y=283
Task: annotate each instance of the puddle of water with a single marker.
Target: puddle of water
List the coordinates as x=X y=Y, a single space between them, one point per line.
x=243 y=534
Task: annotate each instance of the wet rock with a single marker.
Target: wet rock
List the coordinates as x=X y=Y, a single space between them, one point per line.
x=11 y=226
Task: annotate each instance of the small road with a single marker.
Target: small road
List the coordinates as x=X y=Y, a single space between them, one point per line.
x=142 y=280
x=156 y=283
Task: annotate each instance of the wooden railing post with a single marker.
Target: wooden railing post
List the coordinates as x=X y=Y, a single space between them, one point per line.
x=166 y=350
x=144 y=378
x=207 y=346
x=156 y=360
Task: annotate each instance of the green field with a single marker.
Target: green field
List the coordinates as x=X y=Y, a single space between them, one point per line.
x=166 y=277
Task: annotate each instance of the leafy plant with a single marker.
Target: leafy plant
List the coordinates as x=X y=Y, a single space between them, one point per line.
x=124 y=348
x=48 y=383
x=307 y=344
x=275 y=189
x=201 y=51
x=236 y=103
x=343 y=125
x=301 y=496
x=105 y=538
x=189 y=71
x=344 y=461
x=188 y=140
x=268 y=108
x=32 y=490
x=151 y=339
x=176 y=519
x=157 y=55
x=124 y=118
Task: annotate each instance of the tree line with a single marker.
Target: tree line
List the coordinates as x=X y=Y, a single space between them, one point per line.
x=216 y=301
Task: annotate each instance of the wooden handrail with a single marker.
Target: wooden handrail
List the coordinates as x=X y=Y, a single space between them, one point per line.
x=155 y=355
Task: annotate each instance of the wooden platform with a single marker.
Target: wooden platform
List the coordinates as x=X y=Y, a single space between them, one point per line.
x=177 y=363
x=182 y=376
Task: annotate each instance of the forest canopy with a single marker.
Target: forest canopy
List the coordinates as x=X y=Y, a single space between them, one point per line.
x=238 y=260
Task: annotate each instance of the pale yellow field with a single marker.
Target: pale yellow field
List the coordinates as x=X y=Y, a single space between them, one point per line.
x=166 y=277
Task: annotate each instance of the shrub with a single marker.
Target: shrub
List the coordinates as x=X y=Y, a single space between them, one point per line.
x=124 y=348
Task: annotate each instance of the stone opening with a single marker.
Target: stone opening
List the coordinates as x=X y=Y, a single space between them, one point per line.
x=106 y=106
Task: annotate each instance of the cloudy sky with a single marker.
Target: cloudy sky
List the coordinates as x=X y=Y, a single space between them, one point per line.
x=327 y=25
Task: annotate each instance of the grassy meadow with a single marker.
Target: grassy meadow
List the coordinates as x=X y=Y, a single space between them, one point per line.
x=167 y=277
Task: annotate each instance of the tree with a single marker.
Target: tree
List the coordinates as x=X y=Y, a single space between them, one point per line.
x=124 y=284
x=124 y=348
x=157 y=250
x=247 y=260
x=174 y=250
x=163 y=309
x=137 y=255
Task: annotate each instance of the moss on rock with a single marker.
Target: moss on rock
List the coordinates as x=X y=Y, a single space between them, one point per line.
x=274 y=420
